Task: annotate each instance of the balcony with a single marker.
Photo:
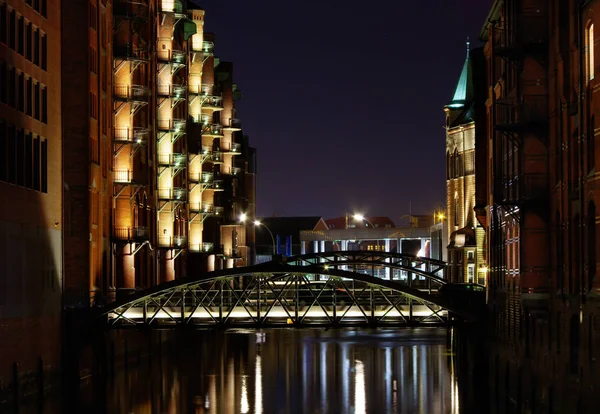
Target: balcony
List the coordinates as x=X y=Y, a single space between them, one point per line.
x=212 y=130
x=231 y=148
x=233 y=124
x=130 y=10
x=127 y=177
x=200 y=89
x=216 y=157
x=172 y=241
x=175 y=193
x=132 y=93
x=521 y=188
x=127 y=135
x=172 y=90
x=172 y=7
x=171 y=125
x=131 y=234
x=529 y=34
x=202 y=177
x=172 y=160
x=202 y=247
x=213 y=102
x=130 y=53
x=528 y=111
x=206 y=209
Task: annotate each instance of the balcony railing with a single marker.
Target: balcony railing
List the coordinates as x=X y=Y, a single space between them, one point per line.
x=521 y=188
x=172 y=193
x=126 y=177
x=174 y=90
x=131 y=92
x=172 y=56
x=232 y=147
x=175 y=125
x=128 y=9
x=212 y=130
x=129 y=52
x=176 y=160
x=202 y=247
x=233 y=124
x=131 y=233
x=206 y=208
x=522 y=111
x=212 y=101
x=201 y=89
x=133 y=135
x=172 y=241
x=531 y=30
x=216 y=157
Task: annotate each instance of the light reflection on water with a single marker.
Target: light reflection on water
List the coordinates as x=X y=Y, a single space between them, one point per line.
x=296 y=371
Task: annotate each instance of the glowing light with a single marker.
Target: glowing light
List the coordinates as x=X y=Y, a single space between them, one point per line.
x=360 y=399
x=359 y=217
x=244 y=406
x=258 y=408
x=243 y=217
x=326 y=267
x=257 y=223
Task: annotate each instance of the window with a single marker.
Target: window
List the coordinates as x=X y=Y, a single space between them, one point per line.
x=21 y=157
x=20 y=36
x=29 y=40
x=93 y=60
x=44 y=166
x=11 y=154
x=3 y=84
x=589 y=51
x=12 y=88
x=93 y=106
x=93 y=16
x=471 y=272
x=470 y=255
x=36 y=113
x=45 y=105
x=29 y=94
x=456 y=212
x=36 y=47
x=44 y=52
x=36 y=164
x=21 y=96
x=43 y=7
x=3 y=25
x=29 y=161
x=2 y=152
x=12 y=29
x=591 y=144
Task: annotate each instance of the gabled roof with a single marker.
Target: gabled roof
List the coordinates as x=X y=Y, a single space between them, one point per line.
x=463 y=93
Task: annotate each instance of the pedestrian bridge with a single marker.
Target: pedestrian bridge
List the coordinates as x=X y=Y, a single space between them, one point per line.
x=326 y=289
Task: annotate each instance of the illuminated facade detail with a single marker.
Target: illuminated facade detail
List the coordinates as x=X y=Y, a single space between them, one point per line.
x=466 y=235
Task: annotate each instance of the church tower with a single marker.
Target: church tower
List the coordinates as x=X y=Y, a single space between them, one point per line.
x=466 y=254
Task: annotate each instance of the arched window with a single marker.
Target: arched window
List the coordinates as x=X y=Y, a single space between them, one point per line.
x=591 y=145
x=456 y=210
x=448 y=160
x=559 y=255
x=589 y=52
x=457 y=171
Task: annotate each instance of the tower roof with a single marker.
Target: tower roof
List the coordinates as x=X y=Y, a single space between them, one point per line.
x=464 y=89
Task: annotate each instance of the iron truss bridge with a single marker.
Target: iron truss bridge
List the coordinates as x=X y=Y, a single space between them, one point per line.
x=327 y=289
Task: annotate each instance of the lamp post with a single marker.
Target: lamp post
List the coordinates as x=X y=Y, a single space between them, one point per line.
x=257 y=223
x=360 y=217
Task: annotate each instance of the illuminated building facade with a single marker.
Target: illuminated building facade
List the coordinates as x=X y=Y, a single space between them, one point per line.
x=541 y=202
x=151 y=140
x=31 y=261
x=466 y=252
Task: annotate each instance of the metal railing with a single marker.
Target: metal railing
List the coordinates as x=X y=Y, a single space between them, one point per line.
x=522 y=110
x=171 y=56
x=212 y=101
x=172 y=241
x=131 y=92
x=204 y=177
x=531 y=29
x=125 y=177
x=171 y=159
x=131 y=134
x=131 y=233
x=231 y=147
x=212 y=129
x=130 y=52
x=202 y=247
x=130 y=9
x=174 y=124
x=174 y=90
x=233 y=123
x=201 y=89
x=172 y=193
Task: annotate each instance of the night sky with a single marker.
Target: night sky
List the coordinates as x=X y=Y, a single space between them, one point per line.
x=344 y=99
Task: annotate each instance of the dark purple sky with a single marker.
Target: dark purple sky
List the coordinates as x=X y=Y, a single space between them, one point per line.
x=344 y=99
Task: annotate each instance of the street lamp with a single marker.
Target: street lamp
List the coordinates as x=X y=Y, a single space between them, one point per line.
x=257 y=223
x=360 y=217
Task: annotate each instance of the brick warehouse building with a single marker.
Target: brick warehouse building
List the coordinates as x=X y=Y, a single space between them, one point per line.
x=31 y=187
x=137 y=181
x=465 y=125
x=153 y=108
x=540 y=192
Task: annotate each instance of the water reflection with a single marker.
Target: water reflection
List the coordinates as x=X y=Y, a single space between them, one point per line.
x=292 y=371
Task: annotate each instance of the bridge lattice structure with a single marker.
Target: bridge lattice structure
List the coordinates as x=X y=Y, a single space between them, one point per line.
x=320 y=289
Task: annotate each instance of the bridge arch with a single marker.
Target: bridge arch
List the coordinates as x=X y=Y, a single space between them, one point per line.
x=279 y=293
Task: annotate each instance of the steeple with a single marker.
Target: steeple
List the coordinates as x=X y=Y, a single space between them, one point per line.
x=464 y=89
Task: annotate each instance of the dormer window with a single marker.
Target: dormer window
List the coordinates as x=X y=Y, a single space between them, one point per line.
x=589 y=52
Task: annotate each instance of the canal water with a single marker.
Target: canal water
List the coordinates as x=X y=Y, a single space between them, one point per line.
x=409 y=370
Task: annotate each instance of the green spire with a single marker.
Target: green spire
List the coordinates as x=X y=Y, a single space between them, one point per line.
x=464 y=90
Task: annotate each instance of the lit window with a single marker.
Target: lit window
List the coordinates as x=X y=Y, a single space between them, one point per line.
x=590 y=51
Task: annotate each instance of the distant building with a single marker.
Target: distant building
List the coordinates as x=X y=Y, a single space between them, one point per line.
x=286 y=235
x=466 y=253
